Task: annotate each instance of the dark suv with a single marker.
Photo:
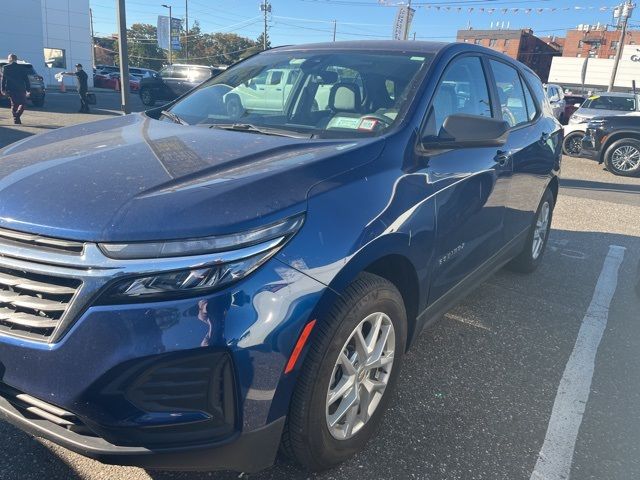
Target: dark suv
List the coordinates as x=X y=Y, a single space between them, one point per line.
x=192 y=287
x=36 y=82
x=173 y=81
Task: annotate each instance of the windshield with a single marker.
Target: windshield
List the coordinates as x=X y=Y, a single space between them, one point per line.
x=604 y=102
x=322 y=93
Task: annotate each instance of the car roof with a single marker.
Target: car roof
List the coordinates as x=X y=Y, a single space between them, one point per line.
x=412 y=46
x=369 y=45
x=614 y=94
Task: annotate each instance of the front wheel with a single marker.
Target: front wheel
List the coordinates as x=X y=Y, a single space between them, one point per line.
x=348 y=376
x=531 y=255
x=572 y=144
x=623 y=157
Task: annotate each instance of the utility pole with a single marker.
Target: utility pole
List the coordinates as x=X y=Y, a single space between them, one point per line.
x=124 y=58
x=186 y=30
x=624 y=14
x=170 y=34
x=93 y=40
x=335 y=26
x=405 y=34
x=265 y=7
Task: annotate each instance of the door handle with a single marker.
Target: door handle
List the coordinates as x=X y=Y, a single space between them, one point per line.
x=544 y=137
x=502 y=157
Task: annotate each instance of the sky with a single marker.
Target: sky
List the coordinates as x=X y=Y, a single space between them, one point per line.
x=304 y=21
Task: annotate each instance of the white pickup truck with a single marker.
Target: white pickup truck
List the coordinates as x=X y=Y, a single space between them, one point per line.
x=268 y=92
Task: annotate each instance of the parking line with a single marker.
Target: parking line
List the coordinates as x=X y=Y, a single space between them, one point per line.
x=556 y=455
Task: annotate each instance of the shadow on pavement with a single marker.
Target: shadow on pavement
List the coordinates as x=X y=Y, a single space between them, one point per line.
x=600 y=186
x=28 y=459
x=10 y=135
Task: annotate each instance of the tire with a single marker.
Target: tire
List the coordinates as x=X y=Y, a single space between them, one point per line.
x=623 y=157
x=235 y=110
x=38 y=102
x=147 y=97
x=572 y=145
x=307 y=437
x=531 y=255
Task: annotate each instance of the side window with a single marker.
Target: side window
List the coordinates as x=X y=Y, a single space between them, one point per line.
x=532 y=110
x=180 y=72
x=166 y=72
x=463 y=89
x=199 y=74
x=293 y=76
x=510 y=93
x=276 y=77
x=262 y=78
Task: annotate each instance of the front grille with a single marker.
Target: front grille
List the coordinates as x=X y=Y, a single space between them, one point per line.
x=30 y=240
x=33 y=408
x=33 y=304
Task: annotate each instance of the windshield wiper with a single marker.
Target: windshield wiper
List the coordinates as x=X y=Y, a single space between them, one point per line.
x=173 y=117
x=250 y=128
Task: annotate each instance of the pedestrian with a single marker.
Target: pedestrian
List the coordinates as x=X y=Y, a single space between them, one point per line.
x=15 y=85
x=83 y=87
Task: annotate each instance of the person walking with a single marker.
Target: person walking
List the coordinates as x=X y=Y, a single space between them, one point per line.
x=15 y=85
x=83 y=87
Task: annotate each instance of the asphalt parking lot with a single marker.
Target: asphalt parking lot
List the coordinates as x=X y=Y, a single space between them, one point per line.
x=503 y=381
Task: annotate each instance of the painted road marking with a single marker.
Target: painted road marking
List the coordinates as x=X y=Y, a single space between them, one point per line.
x=556 y=455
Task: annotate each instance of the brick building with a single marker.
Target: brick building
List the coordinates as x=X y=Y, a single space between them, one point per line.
x=595 y=41
x=521 y=44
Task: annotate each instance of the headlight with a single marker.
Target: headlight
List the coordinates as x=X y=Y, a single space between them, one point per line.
x=232 y=258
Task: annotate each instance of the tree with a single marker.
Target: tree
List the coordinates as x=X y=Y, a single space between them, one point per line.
x=260 y=40
x=142 y=40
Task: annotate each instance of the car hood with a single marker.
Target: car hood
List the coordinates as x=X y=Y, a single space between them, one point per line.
x=133 y=178
x=597 y=112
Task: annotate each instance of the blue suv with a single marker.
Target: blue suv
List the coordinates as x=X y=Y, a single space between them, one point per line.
x=242 y=271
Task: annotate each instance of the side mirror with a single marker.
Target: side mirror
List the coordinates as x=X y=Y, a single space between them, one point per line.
x=554 y=99
x=577 y=105
x=467 y=131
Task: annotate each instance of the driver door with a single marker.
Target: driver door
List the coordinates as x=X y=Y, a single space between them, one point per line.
x=470 y=185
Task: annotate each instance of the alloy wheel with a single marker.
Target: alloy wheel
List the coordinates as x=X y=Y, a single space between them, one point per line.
x=540 y=230
x=574 y=145
x=360 y=376
x=625 y=158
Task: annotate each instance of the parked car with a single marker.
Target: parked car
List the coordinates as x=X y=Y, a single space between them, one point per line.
x=141 y=72
x=571 y=104
x=173 y=81
x=112 y=81
x=37 y=91
x=555 y=94
x=189 y=290
x=614 y=141
x=601 y=104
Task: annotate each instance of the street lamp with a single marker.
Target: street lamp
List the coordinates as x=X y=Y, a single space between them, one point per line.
x=170 y=38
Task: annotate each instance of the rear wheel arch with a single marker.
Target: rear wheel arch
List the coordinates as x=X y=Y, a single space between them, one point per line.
x=614 y=138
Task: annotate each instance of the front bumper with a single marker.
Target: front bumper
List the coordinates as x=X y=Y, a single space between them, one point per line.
x=254 y=322
x=249 y=452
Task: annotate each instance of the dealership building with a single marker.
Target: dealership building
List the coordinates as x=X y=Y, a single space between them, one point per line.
x=53 y=35
x=595 y=73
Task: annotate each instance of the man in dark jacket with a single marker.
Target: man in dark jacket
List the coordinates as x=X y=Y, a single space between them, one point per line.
x=15 y=85
x=83 y=87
